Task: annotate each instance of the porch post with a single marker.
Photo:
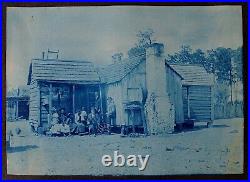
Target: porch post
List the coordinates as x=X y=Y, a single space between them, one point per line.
x=16 y=109
x=50 y=102
x=188 y=103
x=73 y=99
x=100 y=90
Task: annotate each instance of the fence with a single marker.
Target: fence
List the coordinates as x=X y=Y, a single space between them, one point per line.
x=228 y=110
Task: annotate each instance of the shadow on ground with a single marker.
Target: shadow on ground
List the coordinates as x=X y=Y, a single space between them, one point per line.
x=201 y=127
x=21 y=148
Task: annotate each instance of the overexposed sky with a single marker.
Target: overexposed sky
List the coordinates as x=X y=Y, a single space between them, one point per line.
x=96 y=33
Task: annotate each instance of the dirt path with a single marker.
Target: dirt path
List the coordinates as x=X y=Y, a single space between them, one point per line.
x=203 y=150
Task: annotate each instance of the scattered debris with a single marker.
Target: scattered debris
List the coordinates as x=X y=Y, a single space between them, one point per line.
x=234 y=131
x=169 y=149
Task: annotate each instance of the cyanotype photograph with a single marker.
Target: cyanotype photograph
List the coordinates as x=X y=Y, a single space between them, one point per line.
x=124 y=90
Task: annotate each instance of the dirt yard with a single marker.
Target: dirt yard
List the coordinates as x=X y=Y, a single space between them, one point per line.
x=216 y=150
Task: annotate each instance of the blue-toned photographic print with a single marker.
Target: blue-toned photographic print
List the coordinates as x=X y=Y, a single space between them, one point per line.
x=124 y=90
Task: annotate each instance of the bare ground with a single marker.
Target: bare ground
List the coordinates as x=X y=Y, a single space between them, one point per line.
x=216 y=150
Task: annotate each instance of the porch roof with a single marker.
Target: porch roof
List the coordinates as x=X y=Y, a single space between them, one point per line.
x=65 y=71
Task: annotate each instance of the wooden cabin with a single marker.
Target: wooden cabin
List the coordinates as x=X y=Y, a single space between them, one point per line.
x=125 y=82
x=197 y=92
x=68 y=84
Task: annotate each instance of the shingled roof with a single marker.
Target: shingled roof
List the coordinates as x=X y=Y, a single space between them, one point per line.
x=65 y=71
x=193 y=74
x=117 y=71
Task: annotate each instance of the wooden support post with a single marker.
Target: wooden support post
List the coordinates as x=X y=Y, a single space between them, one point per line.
x=73 y=99
x=87 y=99
x=188 y=103
x=17 y=109
x=133 y=120
x=100 y=90
x=212 y=103
x=50 y=103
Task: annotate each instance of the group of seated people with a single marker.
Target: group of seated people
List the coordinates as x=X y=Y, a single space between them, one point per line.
x=80 y=123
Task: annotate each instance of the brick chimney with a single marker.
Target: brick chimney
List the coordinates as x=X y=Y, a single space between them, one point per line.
x=116 y=58
x=160 y=114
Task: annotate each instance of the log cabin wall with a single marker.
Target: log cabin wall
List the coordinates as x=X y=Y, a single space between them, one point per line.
x=200 y=102
x=34 y=105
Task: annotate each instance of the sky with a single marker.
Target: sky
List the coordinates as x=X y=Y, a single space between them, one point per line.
x=96 y=33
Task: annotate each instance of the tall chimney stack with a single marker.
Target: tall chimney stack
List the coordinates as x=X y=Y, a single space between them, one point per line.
x=159 y=109
x=117 y=57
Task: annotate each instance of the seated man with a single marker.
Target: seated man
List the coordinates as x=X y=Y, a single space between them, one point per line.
x=93 y=121
x=71 y=123
x=62 y=116
x=84 y=116
x=80 y=123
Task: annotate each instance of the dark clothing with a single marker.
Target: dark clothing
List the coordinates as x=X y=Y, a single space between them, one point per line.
x=98 y=105
x=62 y=119
x=93 y=121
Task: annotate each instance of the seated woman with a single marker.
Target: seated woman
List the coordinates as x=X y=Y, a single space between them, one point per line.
x=55 y=128
x=59 y=124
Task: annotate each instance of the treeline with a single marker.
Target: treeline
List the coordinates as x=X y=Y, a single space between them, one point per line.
x=225 y=63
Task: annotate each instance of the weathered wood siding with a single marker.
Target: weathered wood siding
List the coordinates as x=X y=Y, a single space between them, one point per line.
x=34 y=105
x=201 y=105
x=132 y=86
x=127 y=90
x=174 y=88
x=44 y=103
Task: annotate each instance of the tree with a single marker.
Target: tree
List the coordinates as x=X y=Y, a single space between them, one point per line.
x=145 y=38
x=184 y=56
x=223 y=66
x=237 y=63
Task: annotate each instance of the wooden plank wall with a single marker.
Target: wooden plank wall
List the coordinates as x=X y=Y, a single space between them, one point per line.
x=119 y=92
x=34 y=105
x=44 y=93
x=200 y=102
x=174 y=88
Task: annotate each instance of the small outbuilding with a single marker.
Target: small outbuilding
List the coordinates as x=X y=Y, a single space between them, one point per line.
x=17 y=107
x=17 y=104
x=197 y=92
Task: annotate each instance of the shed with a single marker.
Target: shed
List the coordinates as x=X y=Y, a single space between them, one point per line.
x=17 y=102
x=197 y=91
x=68 y=84
x=17 y=107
